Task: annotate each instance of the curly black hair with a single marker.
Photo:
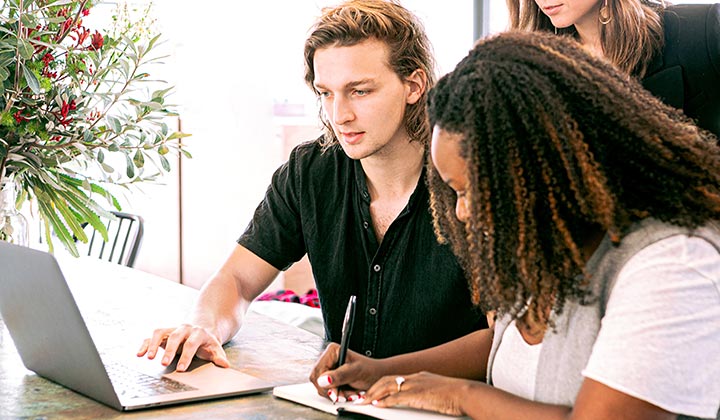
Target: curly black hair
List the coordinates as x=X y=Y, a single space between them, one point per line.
x=558 y=143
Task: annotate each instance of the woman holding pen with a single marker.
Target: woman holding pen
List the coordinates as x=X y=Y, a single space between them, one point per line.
x=584 y=211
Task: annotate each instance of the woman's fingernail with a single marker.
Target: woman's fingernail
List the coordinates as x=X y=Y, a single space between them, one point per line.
x=341 y=399
x=333 y=396
x=353 y=397
x=361 y=393
x=324 y=381
x=359 y=400
x=375 y=402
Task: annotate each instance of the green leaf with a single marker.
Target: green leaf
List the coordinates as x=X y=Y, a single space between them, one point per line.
x=97 y=190
x=165 y=164
x=70 y=219
x=152 y=42
x=107 y=168
x=58 y=227
x=178 y=135
x=31 y=80
x=138 y=159
x=163 y=150
x=130 y=167
x=114 y=124
x=28 y=20
x=25 y=48
x=158 y=94
x=100 y=156
x=4 y=74
x=186 y=153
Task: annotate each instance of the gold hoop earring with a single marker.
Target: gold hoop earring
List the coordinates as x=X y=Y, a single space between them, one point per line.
x=604 y=15
x=555 y=29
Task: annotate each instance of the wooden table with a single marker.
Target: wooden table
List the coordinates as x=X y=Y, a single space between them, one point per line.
x=122 y=306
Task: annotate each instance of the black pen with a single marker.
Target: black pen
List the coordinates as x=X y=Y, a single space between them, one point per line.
x=347 y=330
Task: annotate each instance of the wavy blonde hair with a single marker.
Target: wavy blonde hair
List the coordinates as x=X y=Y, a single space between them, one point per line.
x=355 y=21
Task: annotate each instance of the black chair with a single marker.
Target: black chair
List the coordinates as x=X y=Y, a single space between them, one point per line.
x=124 y=239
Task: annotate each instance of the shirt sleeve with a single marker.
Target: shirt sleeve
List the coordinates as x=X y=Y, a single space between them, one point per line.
x=659 y=340
x=275 y=232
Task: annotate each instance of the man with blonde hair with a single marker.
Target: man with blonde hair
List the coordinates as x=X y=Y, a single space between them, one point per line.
x=355 y=201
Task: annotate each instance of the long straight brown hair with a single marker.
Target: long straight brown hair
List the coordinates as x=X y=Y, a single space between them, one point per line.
x=629 y=40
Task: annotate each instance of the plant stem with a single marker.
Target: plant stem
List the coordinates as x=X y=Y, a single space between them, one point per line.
x=16 y=83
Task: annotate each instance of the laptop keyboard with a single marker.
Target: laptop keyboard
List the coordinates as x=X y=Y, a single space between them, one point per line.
x=131 y=383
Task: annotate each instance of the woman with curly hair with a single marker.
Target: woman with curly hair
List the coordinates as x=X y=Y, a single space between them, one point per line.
x=584 y=211
x=673 y=49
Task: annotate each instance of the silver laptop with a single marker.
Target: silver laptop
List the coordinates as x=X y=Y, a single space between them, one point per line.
x=53 y=341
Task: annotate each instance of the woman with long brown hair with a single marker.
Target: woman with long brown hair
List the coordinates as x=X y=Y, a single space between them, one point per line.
x=584 y=211
x=674 y=50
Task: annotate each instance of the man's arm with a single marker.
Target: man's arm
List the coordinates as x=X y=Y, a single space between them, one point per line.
x=218 y=312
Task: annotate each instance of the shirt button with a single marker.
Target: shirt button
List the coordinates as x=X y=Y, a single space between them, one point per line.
x=368 y=353
x=365 y=225
x=372 y=311
x=376 y=268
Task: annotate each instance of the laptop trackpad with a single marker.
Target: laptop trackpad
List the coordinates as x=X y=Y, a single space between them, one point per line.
x=206 y=376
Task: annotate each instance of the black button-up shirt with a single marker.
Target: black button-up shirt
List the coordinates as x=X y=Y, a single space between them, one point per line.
x=411 y=291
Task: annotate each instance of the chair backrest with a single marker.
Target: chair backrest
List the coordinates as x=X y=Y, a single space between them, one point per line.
x=124 y=239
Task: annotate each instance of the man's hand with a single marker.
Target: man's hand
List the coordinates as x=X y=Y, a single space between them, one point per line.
x=190 y=340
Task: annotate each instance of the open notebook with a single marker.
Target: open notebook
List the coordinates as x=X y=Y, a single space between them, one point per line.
x=306 y=394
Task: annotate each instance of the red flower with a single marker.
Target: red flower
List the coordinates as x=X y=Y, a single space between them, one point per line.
x=82 y=34
x=64 y=27
x=48 y=73
x=96 y=41
x=19 y=116
x=85 y=12
x=65 y=109
x=47 y=58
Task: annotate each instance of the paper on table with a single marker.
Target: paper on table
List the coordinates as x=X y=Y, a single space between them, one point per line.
x=306 y=394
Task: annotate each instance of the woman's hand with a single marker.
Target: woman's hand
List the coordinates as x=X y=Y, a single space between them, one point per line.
x=357 y=374
x=425 y=391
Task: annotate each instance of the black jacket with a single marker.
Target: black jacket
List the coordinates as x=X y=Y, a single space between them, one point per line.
x=686 y=75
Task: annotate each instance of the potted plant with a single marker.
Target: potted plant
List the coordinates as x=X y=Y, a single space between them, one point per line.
x=71 y=98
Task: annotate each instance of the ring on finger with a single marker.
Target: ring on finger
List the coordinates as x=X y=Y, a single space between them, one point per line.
x=399 y=380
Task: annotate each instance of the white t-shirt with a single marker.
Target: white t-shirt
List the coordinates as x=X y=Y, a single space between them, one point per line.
x=660 y=338
x=515 y=365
